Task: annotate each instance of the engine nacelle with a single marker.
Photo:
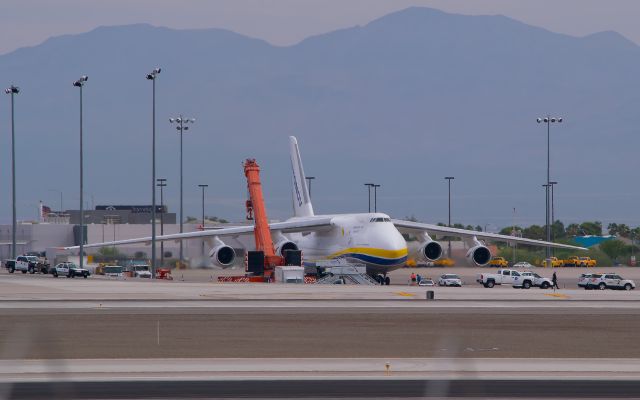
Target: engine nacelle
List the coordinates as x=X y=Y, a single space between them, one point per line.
x=284 y=245
x=430 y=251
x=479 y=256
x=222 y=255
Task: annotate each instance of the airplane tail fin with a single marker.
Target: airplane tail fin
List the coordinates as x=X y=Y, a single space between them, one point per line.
x=301 y=200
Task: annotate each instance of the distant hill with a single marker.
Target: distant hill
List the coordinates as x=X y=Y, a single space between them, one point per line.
x=403 y=101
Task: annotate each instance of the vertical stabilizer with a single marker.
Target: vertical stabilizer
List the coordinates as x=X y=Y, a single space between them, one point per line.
x=301 y=201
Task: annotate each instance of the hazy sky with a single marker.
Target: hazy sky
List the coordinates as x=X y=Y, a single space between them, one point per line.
x=29 y=22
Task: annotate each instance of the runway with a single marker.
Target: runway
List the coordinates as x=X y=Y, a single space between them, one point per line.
x=206 y=340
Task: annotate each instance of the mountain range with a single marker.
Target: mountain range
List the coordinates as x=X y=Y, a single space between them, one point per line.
x=403 y=101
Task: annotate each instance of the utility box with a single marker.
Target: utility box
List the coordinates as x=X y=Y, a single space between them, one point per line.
x=289 y=274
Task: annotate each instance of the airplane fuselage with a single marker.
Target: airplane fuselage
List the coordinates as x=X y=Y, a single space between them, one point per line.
x=369 y=239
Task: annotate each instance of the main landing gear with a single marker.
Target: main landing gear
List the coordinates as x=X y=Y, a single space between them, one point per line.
x=383 y=279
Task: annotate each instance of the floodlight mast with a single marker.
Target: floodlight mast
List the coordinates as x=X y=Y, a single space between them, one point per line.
x=152 y=77
x=13 y=90
x=181 y=127
x=80 y=84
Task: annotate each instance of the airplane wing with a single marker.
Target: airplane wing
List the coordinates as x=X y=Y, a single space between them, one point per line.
x=296 y=225
x=419 y=227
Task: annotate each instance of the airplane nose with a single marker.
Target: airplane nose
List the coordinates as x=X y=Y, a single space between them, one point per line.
x=392 y=242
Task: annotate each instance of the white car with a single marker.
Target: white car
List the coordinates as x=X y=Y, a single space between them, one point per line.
x=523 y=265
x=426 y=282
x=538 y=281
x=450 y=280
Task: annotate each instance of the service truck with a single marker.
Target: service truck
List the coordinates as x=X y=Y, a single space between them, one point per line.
x=505 y=277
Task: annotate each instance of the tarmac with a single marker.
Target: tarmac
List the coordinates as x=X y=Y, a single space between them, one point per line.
x=194 y=329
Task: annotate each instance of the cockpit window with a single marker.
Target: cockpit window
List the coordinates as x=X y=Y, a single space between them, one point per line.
x=380 y=220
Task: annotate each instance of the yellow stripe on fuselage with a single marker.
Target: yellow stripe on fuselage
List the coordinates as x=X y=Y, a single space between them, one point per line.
x=382 y=253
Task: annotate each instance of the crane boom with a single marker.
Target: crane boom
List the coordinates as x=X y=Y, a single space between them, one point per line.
x=262 y=233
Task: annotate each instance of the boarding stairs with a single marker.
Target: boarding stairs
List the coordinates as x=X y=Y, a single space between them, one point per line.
x=347 y=273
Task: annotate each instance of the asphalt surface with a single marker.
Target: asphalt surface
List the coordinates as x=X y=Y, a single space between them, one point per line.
x=51 y=323
x=317 y=333
x=337 y=389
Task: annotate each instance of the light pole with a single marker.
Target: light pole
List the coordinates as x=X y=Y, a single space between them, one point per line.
x=514 y=233
x=182 y=125
x=13 y=90
x=152 y=77
x=449 y=179
x=548 y=120
x=632 y=262
x=309 y=179
x=369 y=185
x=203 y=186
x=553 y=217
x=162 y=182
x=548 y=249
x=80 y=84
x=375 y=198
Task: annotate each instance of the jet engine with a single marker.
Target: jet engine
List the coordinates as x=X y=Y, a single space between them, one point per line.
x=479 y=256
x=430 y=250
x=221 y=254
x=284 y=245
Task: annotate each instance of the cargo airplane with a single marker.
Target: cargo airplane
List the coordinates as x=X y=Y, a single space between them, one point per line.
x=373 y=239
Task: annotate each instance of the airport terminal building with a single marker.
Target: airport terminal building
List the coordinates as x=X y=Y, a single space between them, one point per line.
x=104 y=224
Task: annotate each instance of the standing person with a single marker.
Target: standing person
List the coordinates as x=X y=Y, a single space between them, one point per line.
x=413 y=278
x=554 y=280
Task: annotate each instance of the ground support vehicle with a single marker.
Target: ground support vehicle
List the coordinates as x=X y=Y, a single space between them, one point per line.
x=113 y=271
x=505 y=277
x=538 y=281
x=572 y=261
x=70 y=270
x=164 y=273
x=141 y=271
x=499 y=262
x=586 y=262
x=555 y=262
x=609 y=281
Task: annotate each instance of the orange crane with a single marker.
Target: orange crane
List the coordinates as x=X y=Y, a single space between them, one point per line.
x=256 y=210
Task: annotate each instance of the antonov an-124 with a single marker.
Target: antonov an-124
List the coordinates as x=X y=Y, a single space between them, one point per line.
x=372 y=239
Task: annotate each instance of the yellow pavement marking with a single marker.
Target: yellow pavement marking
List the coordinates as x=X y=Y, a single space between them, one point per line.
x=405 y=294
x=558 y=295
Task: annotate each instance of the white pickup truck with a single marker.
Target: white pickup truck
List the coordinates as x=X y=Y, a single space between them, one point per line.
x=23 y=264
x=505 y=277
